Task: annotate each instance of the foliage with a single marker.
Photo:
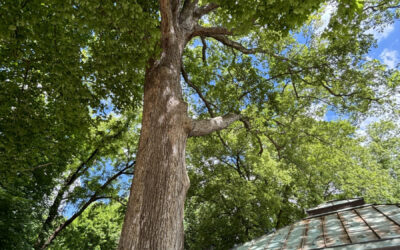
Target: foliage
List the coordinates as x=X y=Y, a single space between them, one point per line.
x=237 y=194
x=283 y=157
x=97 y=228
x=383 y=142
x=68 y=69
x=58 y=83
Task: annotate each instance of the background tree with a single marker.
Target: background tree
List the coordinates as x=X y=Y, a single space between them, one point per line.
x=55 y=121
x=98 y=227
x=234 y=198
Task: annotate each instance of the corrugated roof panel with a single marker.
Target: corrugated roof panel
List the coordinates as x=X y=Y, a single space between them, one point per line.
x=261 y=243
x=356 y=227
x=244 y=246
x=380 y=244
x=382 y=225
x=296 y=235
x=361 y=227
x=315 y=237
x=392 y=211
x=334 y=231
x=279 y=238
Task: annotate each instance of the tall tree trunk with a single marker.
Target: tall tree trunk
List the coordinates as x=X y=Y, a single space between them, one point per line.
x=154 y=218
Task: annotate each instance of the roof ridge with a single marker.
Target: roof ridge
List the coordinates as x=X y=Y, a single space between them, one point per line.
x=340 y=210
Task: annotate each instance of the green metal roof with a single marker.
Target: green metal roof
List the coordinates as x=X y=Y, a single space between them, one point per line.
x=359 y=227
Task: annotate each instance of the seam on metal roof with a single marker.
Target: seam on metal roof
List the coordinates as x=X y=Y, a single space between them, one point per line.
x=369 y=226
x=359 y=243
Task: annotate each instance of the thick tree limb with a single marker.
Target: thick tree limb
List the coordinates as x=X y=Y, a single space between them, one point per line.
x=204 y=10
x=169 y=10
x=211 y=31
x=207 y=126
x=188 y=9
x=230 y=43
x=166 y=14
x=206 y=103
x=211 y=112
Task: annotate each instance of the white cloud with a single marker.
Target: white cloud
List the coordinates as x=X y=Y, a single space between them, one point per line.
x=326 y=15
x=382 y=112
x=362 y=130
x=317 y=111
x=381 y=34
x=390 y=58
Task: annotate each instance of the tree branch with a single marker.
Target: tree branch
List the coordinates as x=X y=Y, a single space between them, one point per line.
x=40 y=166
x=256 y=87
x=295 y=89
x=230 y=43
x=210 y=31
x=204 y=50
x=92 y=199
x=247 y=125
x=204 y=10
x=207 y=126
x=237 y=169
x=220 y=35
x=198 y=91
x=354 y=93
x=53 y=210
x=169 y=10
x=81 y=169
x=276 y=145
x=381 y=7
x=188 y=9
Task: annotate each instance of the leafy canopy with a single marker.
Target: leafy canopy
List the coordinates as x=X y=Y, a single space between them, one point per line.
x=66 y=66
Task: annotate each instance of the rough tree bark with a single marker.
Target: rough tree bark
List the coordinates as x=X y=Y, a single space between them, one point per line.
x=154 y=217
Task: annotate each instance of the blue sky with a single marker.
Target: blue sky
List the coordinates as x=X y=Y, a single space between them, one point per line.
x=388 y=50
